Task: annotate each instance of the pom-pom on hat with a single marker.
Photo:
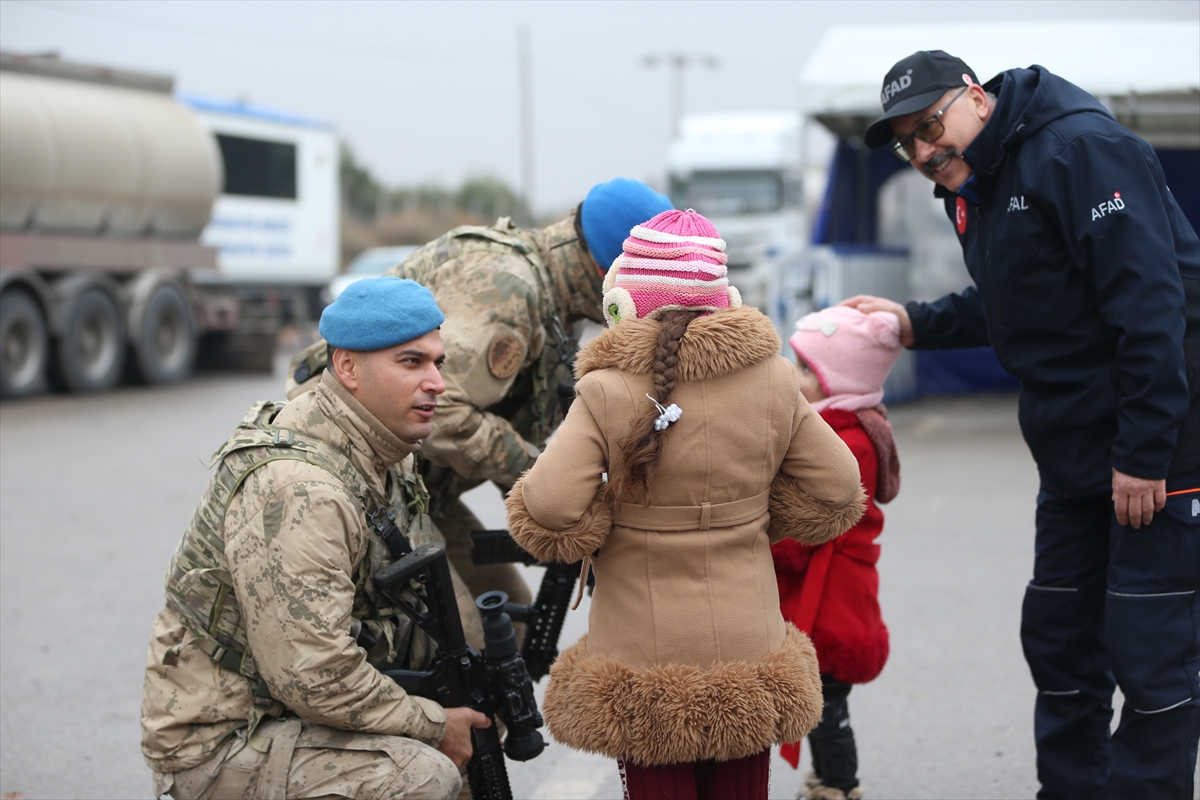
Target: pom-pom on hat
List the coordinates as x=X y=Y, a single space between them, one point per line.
x=851 y=352
x=610 y=210
x=675 y=261
x=377 y=313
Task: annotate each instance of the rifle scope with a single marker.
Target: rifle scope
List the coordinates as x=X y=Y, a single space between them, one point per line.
x=510 y=680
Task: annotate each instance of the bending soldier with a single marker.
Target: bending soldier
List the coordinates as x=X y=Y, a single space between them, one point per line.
x=263 y=670
x=512 y=297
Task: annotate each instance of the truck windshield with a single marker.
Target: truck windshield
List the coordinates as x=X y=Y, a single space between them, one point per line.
x=729 y=192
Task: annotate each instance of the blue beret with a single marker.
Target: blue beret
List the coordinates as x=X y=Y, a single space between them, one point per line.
x=611 y=210
x=376 y=313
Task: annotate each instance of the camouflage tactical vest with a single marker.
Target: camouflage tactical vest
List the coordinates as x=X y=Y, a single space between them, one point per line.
x=199 y=586
x=532 y=403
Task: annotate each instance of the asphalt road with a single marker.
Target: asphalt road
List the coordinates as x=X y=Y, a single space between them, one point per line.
x=95 y=492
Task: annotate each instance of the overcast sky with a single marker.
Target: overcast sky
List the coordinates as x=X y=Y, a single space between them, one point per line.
x=427 y=91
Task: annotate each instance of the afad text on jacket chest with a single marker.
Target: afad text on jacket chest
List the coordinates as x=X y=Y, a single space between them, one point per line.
x=1106 y=207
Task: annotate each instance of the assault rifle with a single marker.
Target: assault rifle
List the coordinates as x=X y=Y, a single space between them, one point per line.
x=544 y=617
x=494 y=682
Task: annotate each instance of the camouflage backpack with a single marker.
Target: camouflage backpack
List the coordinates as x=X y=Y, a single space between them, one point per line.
x=199 y=586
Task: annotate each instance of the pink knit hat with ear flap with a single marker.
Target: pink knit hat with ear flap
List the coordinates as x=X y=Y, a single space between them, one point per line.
x=850 y=351
x=675 y=261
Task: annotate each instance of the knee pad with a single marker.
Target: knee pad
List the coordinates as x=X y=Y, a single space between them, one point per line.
x=1153 y=648
x=1061 y=636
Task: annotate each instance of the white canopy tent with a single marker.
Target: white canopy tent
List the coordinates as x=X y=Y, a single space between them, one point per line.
x=1146 y=73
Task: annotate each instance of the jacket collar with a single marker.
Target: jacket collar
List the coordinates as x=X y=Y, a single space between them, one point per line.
x=986 y=152
x=715 y=345
x=330 y=413
x=840 y=418
x=575 y=280
x=1027 y=100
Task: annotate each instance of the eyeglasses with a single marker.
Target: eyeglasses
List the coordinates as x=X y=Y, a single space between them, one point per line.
x=928 y=130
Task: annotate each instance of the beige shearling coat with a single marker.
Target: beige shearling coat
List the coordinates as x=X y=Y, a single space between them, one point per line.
x=294 y=539
x=687 y=656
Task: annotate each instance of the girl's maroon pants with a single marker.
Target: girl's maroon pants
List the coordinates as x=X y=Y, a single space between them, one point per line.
x=741 y=779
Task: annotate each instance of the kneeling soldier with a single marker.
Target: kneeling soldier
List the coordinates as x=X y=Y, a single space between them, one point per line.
x=263 y=672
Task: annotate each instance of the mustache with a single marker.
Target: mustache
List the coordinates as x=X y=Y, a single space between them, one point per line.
x=937 y=161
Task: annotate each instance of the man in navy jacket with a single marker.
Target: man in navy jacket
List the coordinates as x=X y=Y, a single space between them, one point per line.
x=1087 y=284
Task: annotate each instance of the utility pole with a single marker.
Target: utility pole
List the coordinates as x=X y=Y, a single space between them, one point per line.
x=677 y=63
x=525 y=90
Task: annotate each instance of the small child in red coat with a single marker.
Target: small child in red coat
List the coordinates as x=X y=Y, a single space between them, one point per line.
x=831 y=592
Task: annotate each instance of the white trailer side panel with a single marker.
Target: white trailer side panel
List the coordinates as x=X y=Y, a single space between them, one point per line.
x=264 y=236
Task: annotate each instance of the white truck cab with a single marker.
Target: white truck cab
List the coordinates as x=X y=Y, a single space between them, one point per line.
x=742 y=171
x=275 y=221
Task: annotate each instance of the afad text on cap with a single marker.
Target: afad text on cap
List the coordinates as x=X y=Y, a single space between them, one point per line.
x=895 y=87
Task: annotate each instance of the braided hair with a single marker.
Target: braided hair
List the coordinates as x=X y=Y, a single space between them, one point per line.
x=642 y=449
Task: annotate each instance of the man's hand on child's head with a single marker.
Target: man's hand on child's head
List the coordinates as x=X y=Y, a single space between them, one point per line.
x=867 y=303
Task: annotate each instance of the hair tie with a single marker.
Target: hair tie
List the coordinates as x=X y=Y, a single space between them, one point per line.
x=665 y=415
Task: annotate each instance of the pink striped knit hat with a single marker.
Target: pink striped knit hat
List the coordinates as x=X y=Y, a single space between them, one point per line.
x=675 y=261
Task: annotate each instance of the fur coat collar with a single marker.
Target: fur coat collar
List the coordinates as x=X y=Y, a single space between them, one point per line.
x=714 y=345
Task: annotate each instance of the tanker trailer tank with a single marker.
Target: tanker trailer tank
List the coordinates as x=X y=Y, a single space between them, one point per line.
x=105 y=185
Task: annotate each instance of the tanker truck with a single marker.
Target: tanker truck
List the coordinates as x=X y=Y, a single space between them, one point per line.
x=142 y=234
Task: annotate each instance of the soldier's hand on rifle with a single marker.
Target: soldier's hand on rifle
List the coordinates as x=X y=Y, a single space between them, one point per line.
x=456 y=744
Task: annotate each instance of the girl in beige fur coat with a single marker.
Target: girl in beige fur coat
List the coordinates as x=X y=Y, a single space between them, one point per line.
x=688 y=673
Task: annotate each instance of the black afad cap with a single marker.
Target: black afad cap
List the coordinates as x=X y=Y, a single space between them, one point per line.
x=915 y=83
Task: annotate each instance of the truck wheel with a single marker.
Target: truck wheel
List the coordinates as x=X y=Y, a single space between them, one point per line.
x=165 y=346
x=90 y=353
x=24 y=346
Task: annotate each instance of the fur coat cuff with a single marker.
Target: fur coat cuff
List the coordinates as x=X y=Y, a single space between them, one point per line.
x=795 y=514
x=566 y=546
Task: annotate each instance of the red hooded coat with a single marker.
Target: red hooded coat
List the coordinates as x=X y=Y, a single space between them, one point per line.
x=831 y=592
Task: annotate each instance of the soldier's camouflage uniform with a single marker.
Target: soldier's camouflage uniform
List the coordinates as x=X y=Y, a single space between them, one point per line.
x=304 y=711
x=510 y=297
